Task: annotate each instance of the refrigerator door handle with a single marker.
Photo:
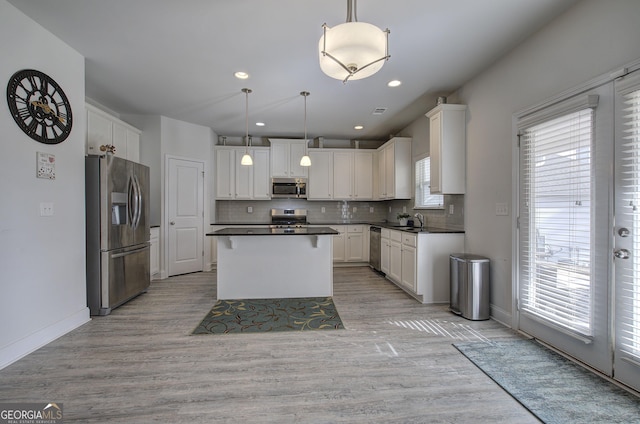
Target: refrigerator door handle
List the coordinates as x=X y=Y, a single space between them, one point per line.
x=134 y=202
x=130 y=252
x=138 y=198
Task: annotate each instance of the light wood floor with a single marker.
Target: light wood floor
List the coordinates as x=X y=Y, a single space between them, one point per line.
x=394 y=363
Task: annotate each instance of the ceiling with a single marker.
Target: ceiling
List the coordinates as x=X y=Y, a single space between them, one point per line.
x=178 y=58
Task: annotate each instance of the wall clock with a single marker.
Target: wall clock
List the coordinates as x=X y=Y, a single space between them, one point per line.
x=39 y=106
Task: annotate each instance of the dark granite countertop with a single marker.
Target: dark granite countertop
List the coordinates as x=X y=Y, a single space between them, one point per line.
x=256 y=231
x=389 y=225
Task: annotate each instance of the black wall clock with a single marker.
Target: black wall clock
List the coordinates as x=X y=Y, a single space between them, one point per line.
x=39 y=106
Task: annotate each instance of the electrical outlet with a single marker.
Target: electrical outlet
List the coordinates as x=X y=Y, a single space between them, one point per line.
x=451 y=209
x=502 y=209
x=355 y=209
x=389 y=209
x=371 y=209
x=404 y=209
x=249 y=209
x=46 y=209
x=323 y=209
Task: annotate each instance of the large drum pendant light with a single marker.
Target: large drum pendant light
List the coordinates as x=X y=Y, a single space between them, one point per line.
x=353 y=50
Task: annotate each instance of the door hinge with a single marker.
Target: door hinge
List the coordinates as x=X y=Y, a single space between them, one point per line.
x=518 y=222
x=517 y=304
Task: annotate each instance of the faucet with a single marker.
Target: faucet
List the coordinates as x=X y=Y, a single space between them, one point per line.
x=421 y=219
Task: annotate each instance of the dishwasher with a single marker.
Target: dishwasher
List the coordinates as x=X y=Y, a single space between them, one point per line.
x=374 y=248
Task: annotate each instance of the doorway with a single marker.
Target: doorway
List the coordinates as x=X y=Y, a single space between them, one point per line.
x=185 y=215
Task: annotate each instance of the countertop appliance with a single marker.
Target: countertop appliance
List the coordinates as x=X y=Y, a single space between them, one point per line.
x=295 y=188
x=374 y=247
x=117 y=226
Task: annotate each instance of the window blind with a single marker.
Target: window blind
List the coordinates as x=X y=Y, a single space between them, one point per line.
x=629 y=285
x=555 y=221
x=423 y=196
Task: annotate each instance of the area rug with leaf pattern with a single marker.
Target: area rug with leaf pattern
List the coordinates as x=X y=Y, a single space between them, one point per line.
x=263 y=315
x=552 y=387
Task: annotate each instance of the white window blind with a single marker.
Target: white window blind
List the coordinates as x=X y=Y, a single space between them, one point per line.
x=555 y=220
x=423 y=196
x=629 y=290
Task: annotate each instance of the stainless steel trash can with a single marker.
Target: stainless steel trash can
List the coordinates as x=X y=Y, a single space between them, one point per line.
x=469 y=286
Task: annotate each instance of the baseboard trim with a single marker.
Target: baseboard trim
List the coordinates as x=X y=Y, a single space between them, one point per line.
x=501 y=316
x=21 y=348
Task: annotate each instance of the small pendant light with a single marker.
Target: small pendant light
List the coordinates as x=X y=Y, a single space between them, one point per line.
x=246 y=159
x=305 y=160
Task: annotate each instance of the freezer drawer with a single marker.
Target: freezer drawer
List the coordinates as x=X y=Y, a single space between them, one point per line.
x=124 y=275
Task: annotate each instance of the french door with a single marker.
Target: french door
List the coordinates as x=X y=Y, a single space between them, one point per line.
x=627 y=231
x=565 y=207
x=579 y=227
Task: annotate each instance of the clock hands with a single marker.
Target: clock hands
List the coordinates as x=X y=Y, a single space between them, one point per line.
x=46 y=109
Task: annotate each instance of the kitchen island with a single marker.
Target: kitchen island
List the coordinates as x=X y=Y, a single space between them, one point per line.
x=267 y=263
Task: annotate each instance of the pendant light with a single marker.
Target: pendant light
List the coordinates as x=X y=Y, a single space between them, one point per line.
x=353 y=50
x=246 y=159
x=305 y=160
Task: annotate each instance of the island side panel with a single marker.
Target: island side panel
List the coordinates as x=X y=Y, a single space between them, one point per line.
x=277 y=266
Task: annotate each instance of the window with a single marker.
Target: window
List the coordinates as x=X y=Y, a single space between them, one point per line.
x=556 y=220
x=423 y=198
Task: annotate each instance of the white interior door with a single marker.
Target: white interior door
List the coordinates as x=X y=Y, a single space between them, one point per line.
x=185 y=198
x=627 y=231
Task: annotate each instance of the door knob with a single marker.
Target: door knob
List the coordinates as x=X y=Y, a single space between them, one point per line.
x=623 y=232
x=622 y=254
x=172 y=223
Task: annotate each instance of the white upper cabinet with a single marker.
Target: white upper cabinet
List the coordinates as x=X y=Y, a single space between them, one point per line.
x=320 y=185
x=447 y=134
x=285 y=158
x=104 y=129
x=236 y=181
x=353 y=174
x=394 y=169
x=341 y=174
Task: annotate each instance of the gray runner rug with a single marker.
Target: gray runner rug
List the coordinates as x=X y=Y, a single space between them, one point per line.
x=553 y=388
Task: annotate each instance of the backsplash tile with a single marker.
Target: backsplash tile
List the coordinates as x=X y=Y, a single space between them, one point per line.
x=340 y=211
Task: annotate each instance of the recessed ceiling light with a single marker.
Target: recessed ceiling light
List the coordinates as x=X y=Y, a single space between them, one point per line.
x=394 y=83
x=260 y=124
x=358 y=127
x=241 y=75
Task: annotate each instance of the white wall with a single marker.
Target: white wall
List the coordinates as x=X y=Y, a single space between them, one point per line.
x=42 y=258
x=590 y=39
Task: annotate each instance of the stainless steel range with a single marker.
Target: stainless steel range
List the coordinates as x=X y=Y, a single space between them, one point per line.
x=288 y=219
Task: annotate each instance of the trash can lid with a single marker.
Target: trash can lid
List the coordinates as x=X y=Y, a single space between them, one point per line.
x=469 y=257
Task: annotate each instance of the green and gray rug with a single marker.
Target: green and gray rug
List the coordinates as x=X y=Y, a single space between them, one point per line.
x=263 y=315
x=553 y=388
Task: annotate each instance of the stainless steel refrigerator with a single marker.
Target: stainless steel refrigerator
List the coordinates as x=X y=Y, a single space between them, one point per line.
x=117 y=193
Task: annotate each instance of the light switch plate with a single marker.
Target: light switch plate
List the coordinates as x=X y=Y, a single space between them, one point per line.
x=502 y=209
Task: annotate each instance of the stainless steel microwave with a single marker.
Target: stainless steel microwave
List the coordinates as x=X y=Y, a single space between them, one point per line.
x=289 y=188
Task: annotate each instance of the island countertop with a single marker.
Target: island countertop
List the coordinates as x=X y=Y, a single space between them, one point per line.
x=287 y=231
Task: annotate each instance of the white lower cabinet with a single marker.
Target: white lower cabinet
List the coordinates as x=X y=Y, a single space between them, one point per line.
x=154 y=255
x=385 y=250
x=351 y=245
x=419 y=263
